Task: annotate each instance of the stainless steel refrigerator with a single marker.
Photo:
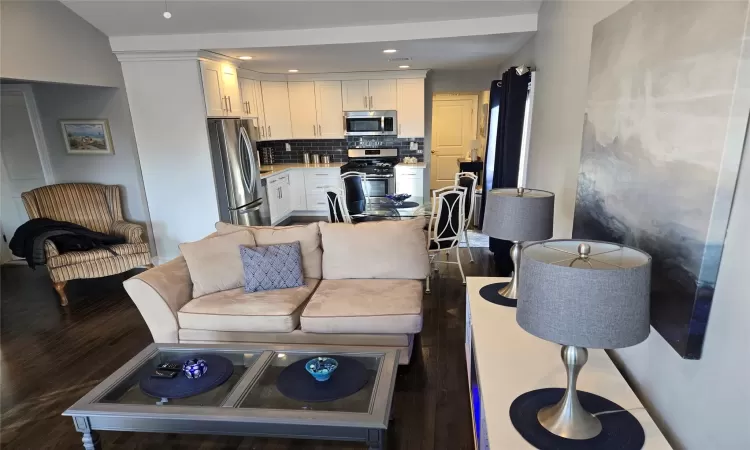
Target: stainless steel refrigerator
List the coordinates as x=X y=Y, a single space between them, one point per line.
x=237 y=172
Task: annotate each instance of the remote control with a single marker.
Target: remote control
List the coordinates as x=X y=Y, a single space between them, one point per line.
x=164 y=374
x=175 y=367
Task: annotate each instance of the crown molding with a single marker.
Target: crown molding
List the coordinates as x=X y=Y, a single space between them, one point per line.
x=130 y=56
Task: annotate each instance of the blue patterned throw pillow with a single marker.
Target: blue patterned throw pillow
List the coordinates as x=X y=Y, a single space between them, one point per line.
x=272 y=267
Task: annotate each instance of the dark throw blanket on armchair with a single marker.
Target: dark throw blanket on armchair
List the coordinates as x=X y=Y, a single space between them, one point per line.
x=28 y=241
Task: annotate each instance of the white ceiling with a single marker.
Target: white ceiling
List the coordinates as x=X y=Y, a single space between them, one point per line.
x=139 y=18
x=469 y=52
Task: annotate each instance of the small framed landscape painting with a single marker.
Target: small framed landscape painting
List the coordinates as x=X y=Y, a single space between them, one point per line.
x=87 y=137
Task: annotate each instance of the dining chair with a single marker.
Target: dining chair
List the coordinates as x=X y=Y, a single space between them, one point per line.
x=469 y=181
x=445 y=227
x=337 y=211
x=354 y=185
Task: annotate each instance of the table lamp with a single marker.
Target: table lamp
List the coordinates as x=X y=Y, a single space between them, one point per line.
x=518 y=215
x=582 y=294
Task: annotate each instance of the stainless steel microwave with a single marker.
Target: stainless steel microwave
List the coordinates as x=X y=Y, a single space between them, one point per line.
x=370 y=123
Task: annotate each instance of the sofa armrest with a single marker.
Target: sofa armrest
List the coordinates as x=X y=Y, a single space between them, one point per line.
x=159 y=293
x=132 y=232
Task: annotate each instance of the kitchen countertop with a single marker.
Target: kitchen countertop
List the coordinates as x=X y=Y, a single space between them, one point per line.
x=276 y=169
x=419 y=165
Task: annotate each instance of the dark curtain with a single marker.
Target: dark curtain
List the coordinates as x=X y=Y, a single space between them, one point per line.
x=503 y=153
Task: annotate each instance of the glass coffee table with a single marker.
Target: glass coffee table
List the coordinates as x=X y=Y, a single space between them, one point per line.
x=248 y=403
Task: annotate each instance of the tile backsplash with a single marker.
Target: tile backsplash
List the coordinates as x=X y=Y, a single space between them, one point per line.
x=336 y=148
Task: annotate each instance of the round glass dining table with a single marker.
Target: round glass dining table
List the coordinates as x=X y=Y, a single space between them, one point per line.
x=382 y=207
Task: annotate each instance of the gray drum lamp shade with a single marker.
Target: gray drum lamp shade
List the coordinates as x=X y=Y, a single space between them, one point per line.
x=519 y=214
x=594 y=295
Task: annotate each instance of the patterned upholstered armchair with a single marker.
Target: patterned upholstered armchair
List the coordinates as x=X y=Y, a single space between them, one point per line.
x=99 y=208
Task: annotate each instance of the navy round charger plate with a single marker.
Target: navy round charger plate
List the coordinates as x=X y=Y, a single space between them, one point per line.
x=348 y=378
x=219 y=371
x=490 y=294
x=620 y=430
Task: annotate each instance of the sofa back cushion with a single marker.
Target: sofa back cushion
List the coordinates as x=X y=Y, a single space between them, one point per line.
x=215 y=263
x=307 y=235
x=389 y=249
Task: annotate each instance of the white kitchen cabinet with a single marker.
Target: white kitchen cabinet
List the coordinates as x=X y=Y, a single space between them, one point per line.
x=328 y=106
x=410 y=180
x=231 y=90
x=303 y=112
x=355 y=95
x=383 y=95
x=278 y=195
x=410 y=107
x=212 y=88
x=221 y=90
x=316 y=182
x=298 y=196
x=247 y=90
x=276 y=108
x=260 y=111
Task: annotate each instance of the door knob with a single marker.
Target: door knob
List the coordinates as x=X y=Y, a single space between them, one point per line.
x=432 y=151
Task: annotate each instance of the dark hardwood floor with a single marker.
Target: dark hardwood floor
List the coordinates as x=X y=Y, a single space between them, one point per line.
x=51 y=356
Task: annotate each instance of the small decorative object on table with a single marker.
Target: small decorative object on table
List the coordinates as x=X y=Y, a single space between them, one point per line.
x=398 y=199
x=321 y=367
x=194 y=368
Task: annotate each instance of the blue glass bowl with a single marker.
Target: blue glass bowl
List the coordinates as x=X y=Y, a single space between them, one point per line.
x=398 y=199
x=321 y=367
x=194 y=368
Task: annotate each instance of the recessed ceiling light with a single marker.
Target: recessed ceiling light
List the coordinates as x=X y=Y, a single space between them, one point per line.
x=390 y=50
x=167 y=15
x=293 y=70
x=245 y=58
x=403 y=67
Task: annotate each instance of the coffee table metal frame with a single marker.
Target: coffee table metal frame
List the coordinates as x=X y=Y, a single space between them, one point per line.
x=89 y=415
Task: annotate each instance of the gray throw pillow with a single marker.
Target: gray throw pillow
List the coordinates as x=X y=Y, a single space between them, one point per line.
x=272 y=267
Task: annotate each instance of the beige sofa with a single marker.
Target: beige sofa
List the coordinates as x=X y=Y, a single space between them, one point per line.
x=363 y=287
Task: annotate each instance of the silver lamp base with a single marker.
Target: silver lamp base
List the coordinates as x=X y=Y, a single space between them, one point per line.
x=510 y=290
x=567 y=418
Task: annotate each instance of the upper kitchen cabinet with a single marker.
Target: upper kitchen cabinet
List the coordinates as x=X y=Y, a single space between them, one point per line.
x=410 y=108
x=259 y=109
x=278 y=121
x=355 y=95
x=328 y=105
x=369 y=95
x=303 y=111
x=212 y=88
x=382 y=95
x=247 y=90
x=220 y=89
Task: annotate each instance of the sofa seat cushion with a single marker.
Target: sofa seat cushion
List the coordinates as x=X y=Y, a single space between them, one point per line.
x=69 y=258
x=364 y=306
x=234 y=310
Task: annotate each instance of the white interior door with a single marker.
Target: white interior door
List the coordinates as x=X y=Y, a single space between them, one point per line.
x=20 y=166
x=328 y=105
x=454 y=126
x=304 y=117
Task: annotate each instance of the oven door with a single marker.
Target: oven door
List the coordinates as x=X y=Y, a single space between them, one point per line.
x=370 y=123
x=380 y=185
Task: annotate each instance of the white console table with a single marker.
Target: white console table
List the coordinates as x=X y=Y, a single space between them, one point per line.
x=504 y=361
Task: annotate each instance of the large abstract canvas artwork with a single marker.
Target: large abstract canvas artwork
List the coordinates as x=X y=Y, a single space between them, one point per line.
x=659 y=162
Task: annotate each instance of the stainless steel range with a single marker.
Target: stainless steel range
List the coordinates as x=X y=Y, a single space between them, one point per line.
x=377 y=164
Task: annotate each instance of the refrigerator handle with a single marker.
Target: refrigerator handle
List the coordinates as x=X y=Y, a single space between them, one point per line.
x=253 y=169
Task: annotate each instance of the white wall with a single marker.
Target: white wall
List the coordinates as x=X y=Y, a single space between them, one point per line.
x=698 y=404
x=169 y=117
x=45 y=41
x=63 y=101
x=560 y=51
